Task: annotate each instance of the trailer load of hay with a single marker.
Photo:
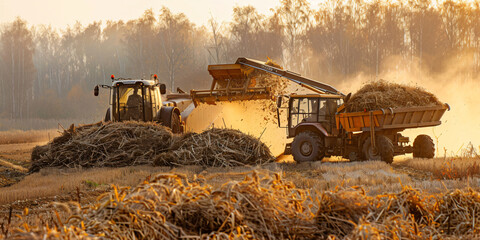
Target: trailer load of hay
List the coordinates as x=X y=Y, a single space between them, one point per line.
x=136 y=143
x=262 y=206
x=383 y=94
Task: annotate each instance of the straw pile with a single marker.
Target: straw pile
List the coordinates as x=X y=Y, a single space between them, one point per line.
x=103 y=145
x=382 y=94
x=262 y=206
x=135 y=143
x=216 y=147
x=172 y=207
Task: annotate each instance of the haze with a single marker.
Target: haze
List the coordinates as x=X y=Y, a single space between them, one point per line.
x=61 y=13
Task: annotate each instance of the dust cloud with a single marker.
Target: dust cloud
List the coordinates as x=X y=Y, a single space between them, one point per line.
x=252 y=117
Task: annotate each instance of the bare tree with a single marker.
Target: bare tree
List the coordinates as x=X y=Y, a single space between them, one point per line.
x=17 y=67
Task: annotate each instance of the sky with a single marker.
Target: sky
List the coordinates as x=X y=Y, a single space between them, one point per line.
x=61 y=13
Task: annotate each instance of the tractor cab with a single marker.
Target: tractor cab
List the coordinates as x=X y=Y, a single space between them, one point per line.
x=137 y=100
x=312 y=111
x=141 y=100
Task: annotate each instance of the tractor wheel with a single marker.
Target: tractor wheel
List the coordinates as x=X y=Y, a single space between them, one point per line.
x=384 y=149
x=307 y=147
x=423 y=147
x=175 y=124
x=107 y=115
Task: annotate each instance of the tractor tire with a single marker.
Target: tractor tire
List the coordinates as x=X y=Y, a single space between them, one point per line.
x=423 y=147
x=384 y=149
x=170 y=118
x=175 y=123
x=107 y=116
x=308 y=147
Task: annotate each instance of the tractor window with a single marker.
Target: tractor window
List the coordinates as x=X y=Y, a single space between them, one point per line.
x=304 y=110
x=128 y=102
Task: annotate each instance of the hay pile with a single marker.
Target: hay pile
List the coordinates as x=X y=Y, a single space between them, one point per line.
x=382 y=94
x=262 y=206
x=171 y=207
x=217 y=148
x=409 y=214
x=135 y=143
x=103 y=145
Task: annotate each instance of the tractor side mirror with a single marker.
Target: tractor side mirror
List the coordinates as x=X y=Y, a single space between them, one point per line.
x=279 y=101
x=163 y=88
x=95 y=91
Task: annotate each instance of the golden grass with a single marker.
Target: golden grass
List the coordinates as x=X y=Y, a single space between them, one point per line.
x=374 y=176
x=263 y=205
x=51 y=182
x=29 y=136
x=444 y=168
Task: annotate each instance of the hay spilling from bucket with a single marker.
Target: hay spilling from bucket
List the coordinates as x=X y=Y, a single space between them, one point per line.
x=136 y=143
x=383 y=94
x=215 y=147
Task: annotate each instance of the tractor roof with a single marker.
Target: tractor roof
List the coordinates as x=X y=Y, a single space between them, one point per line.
x=133 y=82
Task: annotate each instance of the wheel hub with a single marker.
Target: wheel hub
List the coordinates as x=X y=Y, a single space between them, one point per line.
x=373 y=154
x=306 y=148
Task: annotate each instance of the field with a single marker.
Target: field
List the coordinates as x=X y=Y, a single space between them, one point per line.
x=37 y=192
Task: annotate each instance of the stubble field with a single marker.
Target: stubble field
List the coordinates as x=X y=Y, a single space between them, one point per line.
x=38 y=192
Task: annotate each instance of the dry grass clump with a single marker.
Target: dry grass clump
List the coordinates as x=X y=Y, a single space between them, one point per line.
x=136 y=143
x=458 y=212
x=217 y=148
x=262 y=206
x=383 y=94
x=339 y=211
x=103 y=145
x=172 y=207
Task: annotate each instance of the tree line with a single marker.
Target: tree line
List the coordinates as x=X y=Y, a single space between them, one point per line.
x=49 y=73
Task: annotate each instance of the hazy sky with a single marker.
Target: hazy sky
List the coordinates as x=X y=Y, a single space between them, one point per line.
x=60 y=13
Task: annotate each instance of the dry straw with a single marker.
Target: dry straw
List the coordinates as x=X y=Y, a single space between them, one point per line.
x=262 y=206
x=382 y=94
x=172 y=207
x=136 y=143
x=217 y=148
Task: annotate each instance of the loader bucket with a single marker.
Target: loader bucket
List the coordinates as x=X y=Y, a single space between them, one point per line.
x=230 y=83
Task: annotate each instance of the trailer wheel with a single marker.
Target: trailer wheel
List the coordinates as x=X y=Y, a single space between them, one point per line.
x=384 y=149
x=423 y=147
x=307 y=147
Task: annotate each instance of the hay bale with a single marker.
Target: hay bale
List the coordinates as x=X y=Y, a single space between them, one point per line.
x=383 y=94
x=216 y=148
